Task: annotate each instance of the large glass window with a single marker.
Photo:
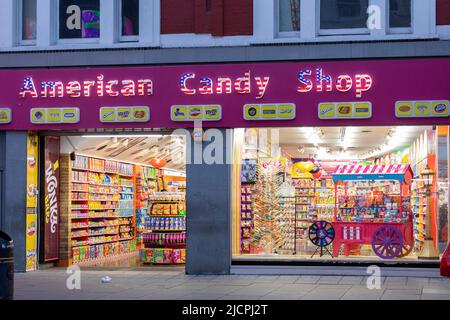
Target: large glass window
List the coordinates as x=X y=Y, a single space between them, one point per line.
x=289 y=15
x=343 y=14
x=130 y=17
x=400 y=13
x=28 y=20
x=79 y=19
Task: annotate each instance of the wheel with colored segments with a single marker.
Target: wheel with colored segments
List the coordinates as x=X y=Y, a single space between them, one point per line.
x=387 y=242
x=321 y=233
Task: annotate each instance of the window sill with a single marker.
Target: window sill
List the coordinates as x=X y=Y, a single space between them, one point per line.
x=346 y=38
x=80 y=46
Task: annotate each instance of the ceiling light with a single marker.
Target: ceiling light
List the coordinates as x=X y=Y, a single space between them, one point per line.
x=123 y=136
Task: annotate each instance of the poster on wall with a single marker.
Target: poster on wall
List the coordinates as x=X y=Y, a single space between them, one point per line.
x=31 y=218
x=51 y=199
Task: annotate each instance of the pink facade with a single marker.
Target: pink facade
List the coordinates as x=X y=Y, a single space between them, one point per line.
x=305 y=84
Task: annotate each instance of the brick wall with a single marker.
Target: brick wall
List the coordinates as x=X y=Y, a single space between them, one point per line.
x=65 y=184
x=443 y=12
x=216 y=17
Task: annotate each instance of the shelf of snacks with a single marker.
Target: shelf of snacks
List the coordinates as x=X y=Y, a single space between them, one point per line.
x=286 y=221
x=102 y=209
x=145 y=185
x=419 y=211
x=164 y=229
x=246 y=220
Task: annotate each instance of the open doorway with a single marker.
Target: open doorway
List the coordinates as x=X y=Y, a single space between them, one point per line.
x=120 y=200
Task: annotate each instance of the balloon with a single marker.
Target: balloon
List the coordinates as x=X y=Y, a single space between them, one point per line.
x=315 y=169
x=305 y=166
x=317 y=174
x=158 y=163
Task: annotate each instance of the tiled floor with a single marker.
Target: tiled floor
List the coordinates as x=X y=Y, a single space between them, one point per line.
x=174 y=284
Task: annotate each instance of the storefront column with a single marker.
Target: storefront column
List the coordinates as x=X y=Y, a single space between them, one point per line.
x=208 y=248
x=13 y=179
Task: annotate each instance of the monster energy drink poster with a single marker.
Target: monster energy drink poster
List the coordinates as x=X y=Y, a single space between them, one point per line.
x=51 y=199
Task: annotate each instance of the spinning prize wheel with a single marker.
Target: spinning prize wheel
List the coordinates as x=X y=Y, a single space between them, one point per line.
x=387 y=242
x=321 y=234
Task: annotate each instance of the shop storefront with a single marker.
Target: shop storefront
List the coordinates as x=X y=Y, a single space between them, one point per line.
x=319 y=160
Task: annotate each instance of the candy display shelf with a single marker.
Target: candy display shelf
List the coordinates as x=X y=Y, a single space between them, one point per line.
x=102 y=208
x=164 y=229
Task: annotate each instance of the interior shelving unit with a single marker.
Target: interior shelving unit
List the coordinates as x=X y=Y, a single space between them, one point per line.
x=102 y=207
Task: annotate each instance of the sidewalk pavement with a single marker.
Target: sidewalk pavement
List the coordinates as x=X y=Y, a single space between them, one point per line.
x=175 y=285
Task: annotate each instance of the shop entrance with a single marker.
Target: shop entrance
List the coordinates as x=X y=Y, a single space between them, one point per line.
x=114 y=200
x=348 y=194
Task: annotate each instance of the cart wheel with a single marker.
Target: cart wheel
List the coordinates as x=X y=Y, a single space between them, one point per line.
x=387 y=242
x=406 y=250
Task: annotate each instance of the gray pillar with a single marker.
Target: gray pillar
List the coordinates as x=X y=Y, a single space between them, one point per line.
x=13 y=165
x=208 y=248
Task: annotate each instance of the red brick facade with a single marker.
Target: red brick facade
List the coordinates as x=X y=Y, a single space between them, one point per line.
x=443 y=12
x=215 y=17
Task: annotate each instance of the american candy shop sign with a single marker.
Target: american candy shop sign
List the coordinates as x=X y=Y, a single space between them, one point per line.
x=371 y=87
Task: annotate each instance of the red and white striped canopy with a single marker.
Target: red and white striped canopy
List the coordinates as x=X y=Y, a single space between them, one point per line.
x=400 y=172
x=372 y=169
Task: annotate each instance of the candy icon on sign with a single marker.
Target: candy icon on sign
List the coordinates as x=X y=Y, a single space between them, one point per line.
x=440 y=108
x=252 y=111
x=179 y=113
x=195 y=112
x=38 y=115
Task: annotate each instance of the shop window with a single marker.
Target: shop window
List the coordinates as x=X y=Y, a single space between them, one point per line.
x=130 y=19
x=28 y=21
x=343 y=16
x=79 y=19
x=400 y=14
x=288 y=16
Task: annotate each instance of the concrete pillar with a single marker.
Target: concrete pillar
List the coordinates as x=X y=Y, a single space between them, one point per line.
x=309 y=19
x=8 y=17
x=264 y=20
x=109 y=20
x=13 y=187
x=208 y=249
x=149 y=21
x=46 y=31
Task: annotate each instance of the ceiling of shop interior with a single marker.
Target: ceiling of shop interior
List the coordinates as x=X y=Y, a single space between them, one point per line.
x=139 y=149
x=362 y=140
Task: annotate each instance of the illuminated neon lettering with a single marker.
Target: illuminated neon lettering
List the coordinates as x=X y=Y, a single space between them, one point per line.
x=73 y=89
x=145 y=87
x=223 y=86
x=206 y=86
x=28 y=88
x=320 y=77
x=100 y=85
x=87 y=85
x=305 y=83
x=128 y=88
x=110 y=90
x=262 y=84
x=363 y=82
x=242 y=85
x=183 y=83
x=344 y=83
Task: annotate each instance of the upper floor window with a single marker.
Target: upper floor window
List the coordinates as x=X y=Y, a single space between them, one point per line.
x=79 y=19
x=129 y=19
x=343 y=16
x=28 y=21
x=288 y=16
x=399 y=13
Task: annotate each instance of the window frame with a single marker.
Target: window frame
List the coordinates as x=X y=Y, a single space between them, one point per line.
x=399 y=30
x=338 y=31
x=21 y=41
x=287 y=34
x=60 y=40
x=123 y=38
